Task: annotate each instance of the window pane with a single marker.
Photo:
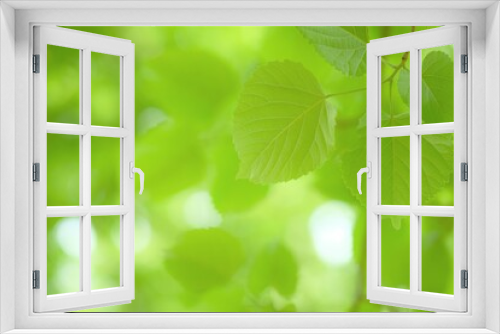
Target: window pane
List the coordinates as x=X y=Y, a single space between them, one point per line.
x=395 y=181
x=63 y=255
x=395 y=244
x=105 y=171
x=105 y=89
x=437 y=254
x=437 y=84
x=395 y=89
x=63 y=170
x=63 y=85
x=437 y=169
x=105 y=249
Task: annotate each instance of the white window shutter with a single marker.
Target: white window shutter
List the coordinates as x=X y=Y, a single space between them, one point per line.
x=86 y=43
x=414 y=297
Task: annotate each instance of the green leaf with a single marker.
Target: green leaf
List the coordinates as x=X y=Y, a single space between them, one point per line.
x=404 y=85
x=174 y=167
x=283 y=126
x=438 y=151
x=194 y=85
x=204 y=259
x=275 y=267
x=342 y=47
x=230 y=194
x=395 y=168
x=437 y=88
x=438 y=159
x=437 y=166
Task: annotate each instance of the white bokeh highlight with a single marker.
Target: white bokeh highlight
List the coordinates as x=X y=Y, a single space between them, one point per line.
x=200 y=212
x=331 y=226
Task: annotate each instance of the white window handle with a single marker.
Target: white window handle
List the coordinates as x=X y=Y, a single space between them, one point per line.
x=368 y=171
x=138 y=171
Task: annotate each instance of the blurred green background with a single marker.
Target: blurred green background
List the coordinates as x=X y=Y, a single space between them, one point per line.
x=205 y=240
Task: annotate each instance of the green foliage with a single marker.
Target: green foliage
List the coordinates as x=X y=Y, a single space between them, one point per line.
x=395 y=182
x=437 y=167
x=173 y=167
x=275 y=267
x=437 y=88
x=194 y=102
x=229 y=193
x=203 y=259
x=62 y=175
x=404 y=85
x=63 y=66
x=283 y=126
x=342 y=47
x=105 y=86
x=395 y=251
x=188 y=84
x=437 y=245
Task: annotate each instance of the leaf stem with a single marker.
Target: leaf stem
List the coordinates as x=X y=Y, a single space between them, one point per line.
x=346 y=92
x=396 y=68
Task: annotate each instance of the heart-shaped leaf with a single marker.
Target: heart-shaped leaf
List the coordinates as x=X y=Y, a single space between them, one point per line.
x=276 y=267
x=342 y=47
x=283 y=125
x=437 y=87
x=203 y=259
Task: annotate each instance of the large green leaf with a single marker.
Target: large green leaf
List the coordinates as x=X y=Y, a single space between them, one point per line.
x=437 y=168
x=395 y=168
x=283 y=125
x=204 y=259
x=437 y=87
x=438 y=155
x=404 y=85
x=275 y=267
x=230 y=194
x=343 y=47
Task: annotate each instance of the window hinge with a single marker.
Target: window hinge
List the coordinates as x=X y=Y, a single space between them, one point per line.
x=36 y=63
x=36 y=172
x=464 y=279
x=465 y=64
x=464 y=170
x=36 y=279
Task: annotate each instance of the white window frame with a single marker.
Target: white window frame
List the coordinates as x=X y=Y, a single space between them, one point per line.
x=85 y=43
x=413 y=43
x=16 y=217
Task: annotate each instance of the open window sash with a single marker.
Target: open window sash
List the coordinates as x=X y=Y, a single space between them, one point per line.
x=85 y=43
x=414 y=43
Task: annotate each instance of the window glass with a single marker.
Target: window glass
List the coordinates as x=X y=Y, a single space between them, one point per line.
x=395 y=169
x=105 y=90
x=63 y=85
x=63 y=170
x=395 y=89
x=395 y=251
x=437 y=169
x=437 y=84
x=105 y=248
x=63 y=255
x=105 y=171
x=437 y=254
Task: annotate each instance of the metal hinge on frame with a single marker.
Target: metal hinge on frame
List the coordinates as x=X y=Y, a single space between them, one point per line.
x=36 y=279
x=464 y=171
x=36 y=63
x=465 y=64
x=464 y=279
x=36 y=172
